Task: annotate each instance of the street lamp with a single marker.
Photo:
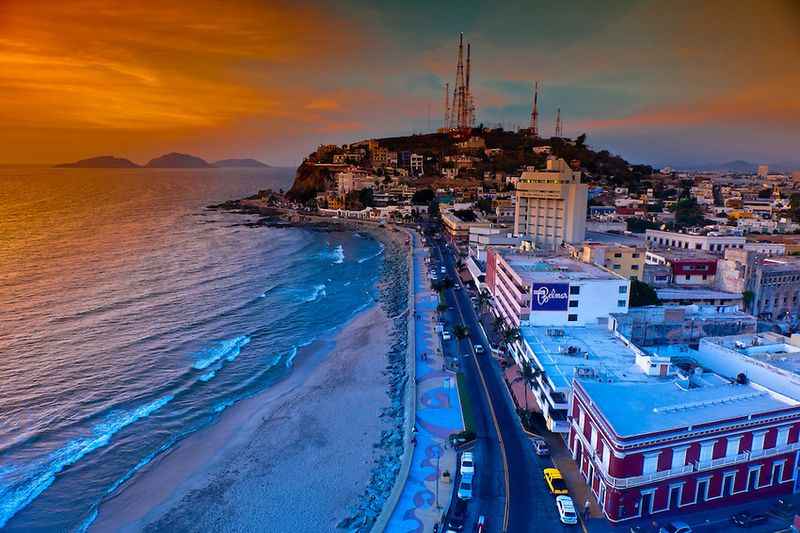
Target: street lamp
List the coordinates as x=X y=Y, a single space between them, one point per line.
x=438 y=456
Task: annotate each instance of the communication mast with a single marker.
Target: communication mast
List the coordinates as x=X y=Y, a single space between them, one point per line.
x=559 y=126
x=446 y=123
x=534 y=127
x=461 y=114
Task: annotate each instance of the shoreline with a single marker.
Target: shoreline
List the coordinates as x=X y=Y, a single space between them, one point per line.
x=189 y=484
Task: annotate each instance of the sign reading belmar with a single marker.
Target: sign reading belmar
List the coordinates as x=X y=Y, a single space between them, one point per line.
x=550 y=296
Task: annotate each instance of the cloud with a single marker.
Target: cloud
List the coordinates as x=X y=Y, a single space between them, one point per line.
x=323 y=104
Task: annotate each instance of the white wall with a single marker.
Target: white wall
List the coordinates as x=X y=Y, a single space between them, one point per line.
x=597 y=299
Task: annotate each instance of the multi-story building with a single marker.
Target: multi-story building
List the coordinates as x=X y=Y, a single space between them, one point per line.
x=698 y=296
x=557 y=354
x=687 y=267
x=417 y=165
x=380 y=156
x=481 y=238
x=553 y=290
x=457 y=224
x=683 y=441
x=353 y=180
x=709 y=242
x=773 y=282
x=627 y=261
x=658 y=325
x=551 y=205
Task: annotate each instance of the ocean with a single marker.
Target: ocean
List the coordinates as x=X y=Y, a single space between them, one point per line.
x=131 y=316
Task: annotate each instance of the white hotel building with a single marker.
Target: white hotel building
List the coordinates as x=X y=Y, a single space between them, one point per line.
x=535 y=290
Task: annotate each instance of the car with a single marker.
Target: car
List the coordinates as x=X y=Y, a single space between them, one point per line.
x=675 y=527
x=446 y=336
x=465 y=355
x=746 y=519
x=458 y=514
x=480 y=525
x=467 y=464
x=479 y=349
x=566 y=510
x=443 y=270
x=555 y=481
x=465 y=488
x=541 y=448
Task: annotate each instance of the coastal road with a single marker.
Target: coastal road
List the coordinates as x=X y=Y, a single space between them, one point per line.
x=530 y=507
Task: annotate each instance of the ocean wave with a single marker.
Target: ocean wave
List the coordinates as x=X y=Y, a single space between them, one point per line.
x=337 y=255
x=373 y=256
x=36 y=477
x=226 y=349
x=317 y=293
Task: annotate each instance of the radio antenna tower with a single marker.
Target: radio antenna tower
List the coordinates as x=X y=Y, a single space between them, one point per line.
x=559 y=128
x=467 y=95
x=446 y=124
x=459 y=95
x=534 y=128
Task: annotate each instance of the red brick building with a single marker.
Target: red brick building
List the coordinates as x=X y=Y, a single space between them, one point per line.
x=695 y=441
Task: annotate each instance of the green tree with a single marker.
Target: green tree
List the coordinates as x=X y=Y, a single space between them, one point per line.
x=460 y=331
x=642 y=294
x=423 y=197
x=688 y=213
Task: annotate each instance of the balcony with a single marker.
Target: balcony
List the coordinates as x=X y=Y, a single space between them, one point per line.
x=625 y=482
x=721 y=461
x=786 y=448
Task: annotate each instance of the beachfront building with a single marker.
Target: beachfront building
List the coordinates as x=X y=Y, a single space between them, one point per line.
x=552 y=290
x=708 y=242
x=687 y=440
x=550 y=205
x=558 y=354
x=457 y=224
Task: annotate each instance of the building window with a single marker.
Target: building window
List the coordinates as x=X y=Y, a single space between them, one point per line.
x=616 y=267
x=650 y=463
x=574 y=289
x=623 y=289
x=572 y=318
x=573 y=303
x=679 y=457
x=783 y=437
x=617 y=254
x=706 y=451
x=777 y=471
x=688 y=277
x=697 y=246
x=634 y=267
x=621 y=303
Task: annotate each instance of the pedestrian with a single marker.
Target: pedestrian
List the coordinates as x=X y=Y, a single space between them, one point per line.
x=586 y=507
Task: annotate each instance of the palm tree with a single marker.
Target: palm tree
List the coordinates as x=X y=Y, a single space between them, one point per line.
x=498 y=323
x=460 y=331
x=483 y=300
x=510 y=334
x=527 y=373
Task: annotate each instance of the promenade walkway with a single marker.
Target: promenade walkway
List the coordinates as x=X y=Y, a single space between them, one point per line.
x=438 y=414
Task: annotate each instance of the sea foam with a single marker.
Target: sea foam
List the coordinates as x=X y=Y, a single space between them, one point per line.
x=229 y=349
x=34 y=478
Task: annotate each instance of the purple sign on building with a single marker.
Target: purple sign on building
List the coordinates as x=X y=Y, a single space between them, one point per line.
x=549 y=296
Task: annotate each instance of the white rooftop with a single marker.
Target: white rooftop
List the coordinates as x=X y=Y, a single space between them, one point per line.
x=678 y=293
x=600 y=355
x=554 y=268
x=633 y=409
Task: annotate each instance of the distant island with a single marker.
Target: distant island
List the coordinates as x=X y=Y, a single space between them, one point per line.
x=170 y=160
x=103 y=161
x=240 y=163
x=176 y=160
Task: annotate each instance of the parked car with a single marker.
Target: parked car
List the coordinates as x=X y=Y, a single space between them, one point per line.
x=541 y=448
x=465 y=487
x=467 y=464
x=458 y=515
x=479 y=349
x=446 y=336
x=555 y=481
x=566 y=510
x=746 y=519
x=675 y=527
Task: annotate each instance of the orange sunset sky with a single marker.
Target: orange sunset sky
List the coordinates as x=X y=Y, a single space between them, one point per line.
x=658 y=82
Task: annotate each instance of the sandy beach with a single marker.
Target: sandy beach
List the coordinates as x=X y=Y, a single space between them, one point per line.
x=293 y=458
